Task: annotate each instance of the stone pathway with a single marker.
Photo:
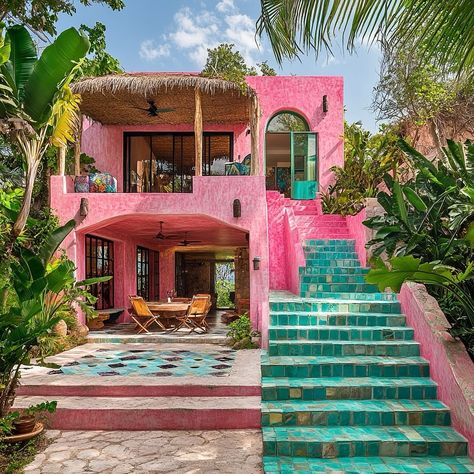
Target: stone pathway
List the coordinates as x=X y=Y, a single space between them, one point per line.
x=177 y=452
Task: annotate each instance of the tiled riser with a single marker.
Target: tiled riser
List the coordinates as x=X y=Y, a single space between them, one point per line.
x=363 y=448
x=333 y=271
x=319 y=262
x=333 y=279
x=343 y=386
x=350 y=296
x=351 y=393
x=342 y=334
x=359 y=418
x=327 y=256
x=336 y=320
x=365 y=307
x=335 y=348
x=338 y=287
x=349 y=369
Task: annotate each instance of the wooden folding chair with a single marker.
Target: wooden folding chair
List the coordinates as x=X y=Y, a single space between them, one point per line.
x=142 y=316
x=197 y=314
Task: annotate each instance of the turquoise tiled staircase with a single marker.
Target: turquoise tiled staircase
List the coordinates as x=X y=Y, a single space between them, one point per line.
x=344 y=388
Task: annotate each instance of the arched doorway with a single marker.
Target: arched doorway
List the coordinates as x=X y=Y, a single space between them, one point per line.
x=291 y=156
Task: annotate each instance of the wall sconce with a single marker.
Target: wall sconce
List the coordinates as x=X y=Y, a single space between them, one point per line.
x=256 y=263
x=237 y=208
x=84 y=207
x=325 y=103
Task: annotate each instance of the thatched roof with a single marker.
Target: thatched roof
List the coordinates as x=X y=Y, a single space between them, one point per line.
x=122 y=98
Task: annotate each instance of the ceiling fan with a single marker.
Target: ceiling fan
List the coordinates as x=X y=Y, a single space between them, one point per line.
x=185 y=242
x=162 y=236
x=153 y=110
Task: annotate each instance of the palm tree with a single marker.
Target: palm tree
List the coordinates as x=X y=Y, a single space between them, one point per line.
x=443 y=30
x=37 y=107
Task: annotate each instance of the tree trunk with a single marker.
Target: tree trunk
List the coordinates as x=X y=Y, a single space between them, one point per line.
x=26 y=204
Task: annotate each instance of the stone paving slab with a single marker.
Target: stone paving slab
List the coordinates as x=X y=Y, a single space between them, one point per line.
x=148 y=452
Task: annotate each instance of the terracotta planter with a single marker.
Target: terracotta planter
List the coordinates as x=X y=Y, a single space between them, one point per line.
x=24 y=424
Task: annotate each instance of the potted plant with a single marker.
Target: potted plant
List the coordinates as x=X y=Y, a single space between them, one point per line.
x=24 y=421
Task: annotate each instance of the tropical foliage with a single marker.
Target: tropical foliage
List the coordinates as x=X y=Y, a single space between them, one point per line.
x=427 y=233
x=225 y=63
x=37 y=108
x=429 y=215
x=430 y=102
x=241 y=333
x=367 y=158
x=43 y=289
x=41 y=16
x=442 y=31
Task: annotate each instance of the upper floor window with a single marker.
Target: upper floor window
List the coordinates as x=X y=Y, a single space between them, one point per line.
x=157 y=162
x=287 y=122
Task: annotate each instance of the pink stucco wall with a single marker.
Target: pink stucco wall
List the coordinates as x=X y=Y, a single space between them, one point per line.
x=359 y=233
x=285 y=249
x=304 y=95
x=450 y=365
x=212 y=196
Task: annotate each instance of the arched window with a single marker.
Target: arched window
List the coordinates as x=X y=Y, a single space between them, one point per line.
x=287 y=121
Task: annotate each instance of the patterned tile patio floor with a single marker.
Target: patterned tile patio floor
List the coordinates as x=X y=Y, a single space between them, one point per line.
x=107 y=362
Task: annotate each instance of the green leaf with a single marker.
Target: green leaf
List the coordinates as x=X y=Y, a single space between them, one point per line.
x=93 y=281
x=414 y=199
x=52 y=71
x=54 y=241
x=402 y=208
x=470 y=234
x=22 y=56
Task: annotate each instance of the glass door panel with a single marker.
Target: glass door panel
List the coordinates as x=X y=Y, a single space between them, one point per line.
x=303 y=165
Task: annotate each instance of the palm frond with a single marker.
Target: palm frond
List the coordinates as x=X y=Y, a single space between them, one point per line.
x=65 y=117
x=443 y=30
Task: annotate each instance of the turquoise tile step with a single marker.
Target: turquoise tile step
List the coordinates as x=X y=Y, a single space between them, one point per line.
x=357 y=366
x=337 y=306
x=339 y=287
x=368 y=465
x=344 y=348
x=351 y=296
x=324 y=270
x=340 y=262
x=293 y=318
x=347 y=441
x=323 y=242
x=330 y=248
x=317 y=254
x=340 y=333
x=346 y=388
x=355 y=413
x=334 y=279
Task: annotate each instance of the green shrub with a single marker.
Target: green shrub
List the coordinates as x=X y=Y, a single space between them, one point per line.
x=241 y=333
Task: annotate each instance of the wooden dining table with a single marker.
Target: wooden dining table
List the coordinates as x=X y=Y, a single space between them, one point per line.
x=168 y=311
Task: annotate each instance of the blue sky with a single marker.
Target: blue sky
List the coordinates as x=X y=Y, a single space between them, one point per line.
x=173 y=35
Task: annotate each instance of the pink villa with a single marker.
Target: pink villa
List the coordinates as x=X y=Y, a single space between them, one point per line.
x=211 y=164
x=195 y=173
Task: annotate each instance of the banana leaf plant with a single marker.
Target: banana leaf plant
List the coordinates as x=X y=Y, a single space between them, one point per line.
x=37 y=107
x=408 y=268
x=44 y=288
x=431 y=216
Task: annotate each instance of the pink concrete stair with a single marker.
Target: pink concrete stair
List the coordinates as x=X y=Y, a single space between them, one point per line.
x=151 y=413
x=313 y=224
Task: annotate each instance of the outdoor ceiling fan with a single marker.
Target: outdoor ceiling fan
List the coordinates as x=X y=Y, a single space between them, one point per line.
x=185 y=242
x=153 y=110
x=162 y=236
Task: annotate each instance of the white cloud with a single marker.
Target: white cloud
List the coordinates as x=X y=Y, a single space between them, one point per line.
x=196 y=31
x=225 y=6
x=149 y=50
